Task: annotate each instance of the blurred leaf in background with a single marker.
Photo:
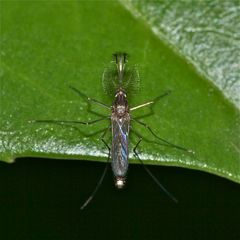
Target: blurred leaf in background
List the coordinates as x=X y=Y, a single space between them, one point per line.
x=188 y=47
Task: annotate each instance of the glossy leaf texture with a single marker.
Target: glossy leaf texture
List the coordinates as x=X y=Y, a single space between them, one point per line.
x=47 y=46
x=205 y=33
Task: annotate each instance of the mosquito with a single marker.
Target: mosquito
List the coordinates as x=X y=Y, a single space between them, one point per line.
x=117 y=81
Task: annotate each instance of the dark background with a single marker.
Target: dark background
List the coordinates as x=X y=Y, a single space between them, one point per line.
x=41 y=199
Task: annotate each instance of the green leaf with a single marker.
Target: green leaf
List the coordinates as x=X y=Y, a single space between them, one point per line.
x=205 y=33
x=47 y=46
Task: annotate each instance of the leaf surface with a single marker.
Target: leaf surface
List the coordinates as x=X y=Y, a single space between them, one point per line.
x=47 y=46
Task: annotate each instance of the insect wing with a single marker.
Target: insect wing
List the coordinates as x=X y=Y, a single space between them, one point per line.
x=120 y=132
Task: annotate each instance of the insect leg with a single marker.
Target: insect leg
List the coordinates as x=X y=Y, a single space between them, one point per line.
x=68 y=122
x=161 y=139
x=151 y=102
x=102 y=176
x=142 y=105
x=89 y=99
x=151 y=174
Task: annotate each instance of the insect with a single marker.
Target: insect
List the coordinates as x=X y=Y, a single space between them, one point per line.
x=117 y=80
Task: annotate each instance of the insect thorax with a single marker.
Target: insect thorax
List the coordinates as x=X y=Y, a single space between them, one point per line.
x=120 y=104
